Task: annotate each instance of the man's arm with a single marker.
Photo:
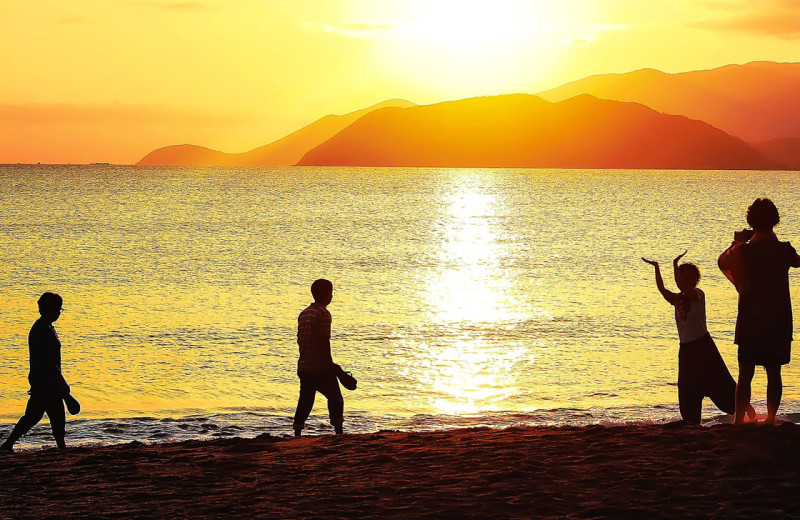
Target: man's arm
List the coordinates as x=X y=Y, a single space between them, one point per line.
x=325 y=324
x=61 y=384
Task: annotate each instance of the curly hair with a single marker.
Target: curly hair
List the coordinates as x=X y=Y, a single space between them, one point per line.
x=762 y=214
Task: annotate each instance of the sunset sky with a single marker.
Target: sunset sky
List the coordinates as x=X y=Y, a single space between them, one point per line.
x=110 y=80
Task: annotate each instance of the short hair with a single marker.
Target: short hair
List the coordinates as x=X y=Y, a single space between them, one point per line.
x=50 y=300
x=691 y=270
x=762 y=214
x=321 y=288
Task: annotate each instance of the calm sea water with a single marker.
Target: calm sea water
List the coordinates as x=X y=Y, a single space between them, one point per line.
x=463 y=296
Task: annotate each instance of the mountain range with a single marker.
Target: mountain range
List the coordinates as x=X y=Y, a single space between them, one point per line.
x=286 y=151
x=758 y=102
x=733 y=117
x=524 y=131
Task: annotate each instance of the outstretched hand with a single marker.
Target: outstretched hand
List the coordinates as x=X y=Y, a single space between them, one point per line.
x=679 y=257
x=651 y=262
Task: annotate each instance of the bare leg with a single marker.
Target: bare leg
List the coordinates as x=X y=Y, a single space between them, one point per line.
x=329 y=387
x=20 y=429
x=34 y=411
x=743 y=390
x=305 y=402
x=774 y=392
x=58 y=421
x=751 y=412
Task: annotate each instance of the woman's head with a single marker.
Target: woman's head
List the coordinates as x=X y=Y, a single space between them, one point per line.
x=688 y=276
x=762 y=214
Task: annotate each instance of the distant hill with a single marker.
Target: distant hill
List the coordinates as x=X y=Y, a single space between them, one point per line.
x=283 y=152
x=186 y=155
x=758 y=101
x=785 y=151
x=528 y=132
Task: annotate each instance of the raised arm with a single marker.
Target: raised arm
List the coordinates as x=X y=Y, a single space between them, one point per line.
x=670 y=296
x=675 y=266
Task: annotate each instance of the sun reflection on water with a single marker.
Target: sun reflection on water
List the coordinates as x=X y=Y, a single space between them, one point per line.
x=470 y=284
x=469 y=293
x=471 y=375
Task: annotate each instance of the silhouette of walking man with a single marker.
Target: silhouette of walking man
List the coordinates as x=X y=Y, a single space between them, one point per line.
x=315 y=368
x=49 y=389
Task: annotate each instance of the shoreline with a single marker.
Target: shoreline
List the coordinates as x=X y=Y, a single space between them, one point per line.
x=209 y=426
x=636 y=471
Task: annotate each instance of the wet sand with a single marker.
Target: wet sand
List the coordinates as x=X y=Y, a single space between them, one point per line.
x=642 y=472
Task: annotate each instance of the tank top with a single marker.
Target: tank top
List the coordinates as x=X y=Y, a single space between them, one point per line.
x=692 y=326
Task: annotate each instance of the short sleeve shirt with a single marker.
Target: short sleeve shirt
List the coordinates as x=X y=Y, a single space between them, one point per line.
x=313 y=339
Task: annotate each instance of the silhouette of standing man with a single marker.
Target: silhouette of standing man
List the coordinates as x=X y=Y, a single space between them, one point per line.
x=48 y=386
x=315 y=368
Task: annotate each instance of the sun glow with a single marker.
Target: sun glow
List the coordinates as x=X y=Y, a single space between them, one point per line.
x=477 y=24
x=233 y=76
x=481 y=47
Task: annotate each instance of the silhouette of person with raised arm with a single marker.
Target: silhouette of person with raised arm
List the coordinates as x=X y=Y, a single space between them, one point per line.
x=49 y=389
x=315 y=367
x=757 y=264
x=701 y=370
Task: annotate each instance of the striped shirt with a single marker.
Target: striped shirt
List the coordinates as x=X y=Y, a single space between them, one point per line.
x=314 y=339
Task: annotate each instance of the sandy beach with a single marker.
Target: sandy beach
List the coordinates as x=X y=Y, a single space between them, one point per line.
x=650 y=471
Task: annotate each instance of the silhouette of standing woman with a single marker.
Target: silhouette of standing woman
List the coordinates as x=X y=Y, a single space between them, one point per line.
x=49 y=389
x=758 y=265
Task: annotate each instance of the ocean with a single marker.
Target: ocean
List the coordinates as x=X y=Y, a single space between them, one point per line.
x=463 y=297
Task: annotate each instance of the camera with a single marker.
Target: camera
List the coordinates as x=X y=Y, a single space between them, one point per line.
x=743 y=235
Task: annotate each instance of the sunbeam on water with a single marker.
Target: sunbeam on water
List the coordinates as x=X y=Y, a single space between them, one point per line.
x=467 y=294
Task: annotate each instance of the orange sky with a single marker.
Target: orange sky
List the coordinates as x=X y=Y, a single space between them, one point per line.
x=110 y=80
